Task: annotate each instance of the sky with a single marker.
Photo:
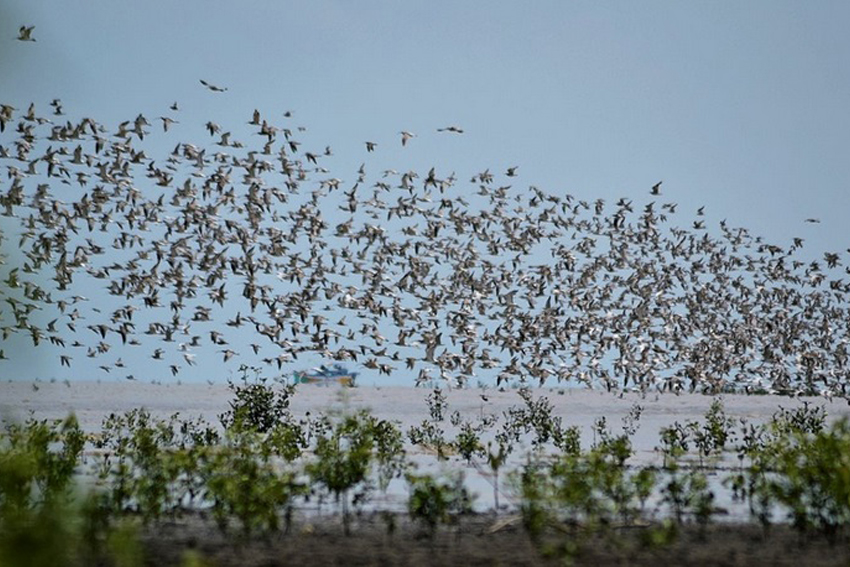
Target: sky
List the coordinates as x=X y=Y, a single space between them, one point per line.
x=740 y=107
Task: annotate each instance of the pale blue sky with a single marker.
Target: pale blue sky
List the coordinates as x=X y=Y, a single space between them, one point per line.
x=738 y=106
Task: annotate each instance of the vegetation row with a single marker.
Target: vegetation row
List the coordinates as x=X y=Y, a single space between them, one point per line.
x=252 y=470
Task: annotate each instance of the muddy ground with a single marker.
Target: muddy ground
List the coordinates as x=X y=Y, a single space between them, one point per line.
x=487 y=540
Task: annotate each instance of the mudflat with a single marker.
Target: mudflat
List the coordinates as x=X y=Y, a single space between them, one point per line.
x=383 y=534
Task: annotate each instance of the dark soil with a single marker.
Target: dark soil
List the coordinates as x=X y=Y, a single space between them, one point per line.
x=487 y=540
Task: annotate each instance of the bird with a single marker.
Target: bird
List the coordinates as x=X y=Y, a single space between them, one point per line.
x=490 y=279
x=656 y=189
x=213 y=88
x=25 y=33
x=166 y=122
x=370 y=146
x=453 y=129
x=405 y=136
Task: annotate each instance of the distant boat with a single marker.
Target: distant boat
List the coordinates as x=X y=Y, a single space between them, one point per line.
x=335 y=374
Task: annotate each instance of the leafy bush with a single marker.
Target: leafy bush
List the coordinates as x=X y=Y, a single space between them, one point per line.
x=535 y=417
x=257 y=405
x=688 y=495
x=37 y=462
x=591 y=490
x=712 y=436
x=43 y=522
x=345 y=455
x=430 y=436
x=435 y=501
x=674 y=443
x=813 y=480
x=243 y=483
x=150 y=466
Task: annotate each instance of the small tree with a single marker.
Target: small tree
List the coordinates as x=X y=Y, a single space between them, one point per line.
x=437 y=501
x=345 y=455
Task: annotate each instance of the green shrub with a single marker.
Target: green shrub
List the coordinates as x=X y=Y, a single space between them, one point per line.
x=346 y=453
x=243 y=483
x=436 y=501
x=812 y=477
x=38 y=460
x=150 y=466
x=43 y=522
x=257 y=405
x=687 y=494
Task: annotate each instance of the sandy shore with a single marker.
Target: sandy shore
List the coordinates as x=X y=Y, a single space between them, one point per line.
x=92 y=401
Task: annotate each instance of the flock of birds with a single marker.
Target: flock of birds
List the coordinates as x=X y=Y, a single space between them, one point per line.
x=255 y=253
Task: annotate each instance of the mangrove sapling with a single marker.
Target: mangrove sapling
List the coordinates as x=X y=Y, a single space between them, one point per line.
x=568 y=440
x=631 y=421
x=467 y=442
x=44 y=534
x=572 y=485
x=753 y=439
x=286 y=440
x=37 y=464
x=43 y=522
x=606 y=444
x=345 y=454
x=244 y=484
x=806 y=419
x=535 y=498
x=711 y=437
x=430 y=436
x=536 y=416
x=674 y=444
x=151 y=466
x=257 y=405
x=766 y=445
x=644 y=481
x=140 y=477
x=495 y=459
x=39 y=458
x=434 y=501
x=437 y=405
x=812 y=479
x=687 y=493
x=616 y=490
x=389 y=452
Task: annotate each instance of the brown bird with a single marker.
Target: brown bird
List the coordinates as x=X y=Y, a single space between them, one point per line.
x=25 y=33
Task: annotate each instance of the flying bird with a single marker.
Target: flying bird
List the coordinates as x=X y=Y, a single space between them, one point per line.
x=405 y=136
x=656 y=189
x=166 y=122
x=25 y=33
x=454 y=129
x=213 y=88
